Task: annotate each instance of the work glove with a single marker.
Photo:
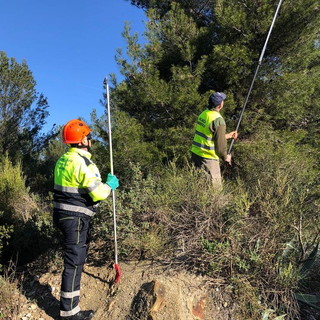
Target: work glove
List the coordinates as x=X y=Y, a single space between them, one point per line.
x=112 y=181
x=228 y=159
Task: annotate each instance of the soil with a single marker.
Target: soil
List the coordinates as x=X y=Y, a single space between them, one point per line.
x=146 y=290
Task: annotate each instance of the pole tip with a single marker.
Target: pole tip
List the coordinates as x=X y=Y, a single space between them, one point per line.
x=105 y=80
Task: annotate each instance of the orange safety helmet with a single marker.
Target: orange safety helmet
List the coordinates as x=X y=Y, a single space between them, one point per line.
x=74 y=131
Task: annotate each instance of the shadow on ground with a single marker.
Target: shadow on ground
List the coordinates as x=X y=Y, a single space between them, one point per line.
x=41 y=295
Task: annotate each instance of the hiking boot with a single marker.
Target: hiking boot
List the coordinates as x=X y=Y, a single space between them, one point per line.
x=81 y=315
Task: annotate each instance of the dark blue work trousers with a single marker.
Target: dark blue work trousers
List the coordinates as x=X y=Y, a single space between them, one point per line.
x=75 y=230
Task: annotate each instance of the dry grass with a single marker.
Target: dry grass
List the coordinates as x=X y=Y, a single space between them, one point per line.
x=10 y=298
x=238 y=236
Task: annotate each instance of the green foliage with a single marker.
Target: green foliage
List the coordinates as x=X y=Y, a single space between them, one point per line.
x=238 y=235
x=129 y=147
x=273 y=161
x=194 y=47
x=26 y=228
x=40 y=176
x=178 y=34
x=22 y=117
x=23 y=111
x=32 y=238
x=255 y=235
x=161 y=90
x=5 y=234
x=15 y=201
x=139 y=235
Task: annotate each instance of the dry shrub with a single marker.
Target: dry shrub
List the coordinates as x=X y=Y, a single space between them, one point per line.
x=26 y=227
x=139 y=235
x=238 y=236
x=193 y=215
x=10 y=298
x=16 y=202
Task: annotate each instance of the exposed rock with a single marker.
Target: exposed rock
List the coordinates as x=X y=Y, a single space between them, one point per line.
x=159 y=297
x=198 y=308
x=148 y=301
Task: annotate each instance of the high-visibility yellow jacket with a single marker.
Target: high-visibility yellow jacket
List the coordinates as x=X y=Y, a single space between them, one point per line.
x=77 y=183
x=203 y=143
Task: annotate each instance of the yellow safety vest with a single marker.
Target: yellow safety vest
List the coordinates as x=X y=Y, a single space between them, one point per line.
x=77 y=183
x=203 y=141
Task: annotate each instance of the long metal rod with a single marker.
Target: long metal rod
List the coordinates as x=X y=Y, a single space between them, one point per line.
x=105 y=82
x=256 y=72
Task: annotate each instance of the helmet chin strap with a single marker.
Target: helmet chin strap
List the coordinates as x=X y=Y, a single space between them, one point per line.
x=85 y=147
x=82 y=146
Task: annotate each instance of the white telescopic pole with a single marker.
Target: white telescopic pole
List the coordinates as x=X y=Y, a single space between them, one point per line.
x=111 y=170
x=256 y=72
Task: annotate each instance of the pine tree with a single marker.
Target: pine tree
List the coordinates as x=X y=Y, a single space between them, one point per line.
x=168 y=80
x=22 y=116
x=163 y=78
x=23 y=110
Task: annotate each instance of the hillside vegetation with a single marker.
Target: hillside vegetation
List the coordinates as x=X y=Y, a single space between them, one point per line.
x=259 y=236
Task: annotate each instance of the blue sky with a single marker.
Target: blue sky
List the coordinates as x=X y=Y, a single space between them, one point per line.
x=69 y=46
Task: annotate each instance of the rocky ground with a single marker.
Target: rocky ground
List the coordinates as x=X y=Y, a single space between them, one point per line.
x=146 y=291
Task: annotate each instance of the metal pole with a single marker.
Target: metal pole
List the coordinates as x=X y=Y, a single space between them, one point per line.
x=105 y=82
x=256 y=72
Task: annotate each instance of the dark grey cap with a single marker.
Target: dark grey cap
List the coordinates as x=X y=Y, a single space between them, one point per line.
x=216 y=98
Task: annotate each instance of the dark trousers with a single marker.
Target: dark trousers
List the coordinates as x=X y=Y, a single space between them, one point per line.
x=75 y=230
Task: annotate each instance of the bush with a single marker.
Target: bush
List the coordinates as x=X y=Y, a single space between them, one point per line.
x=138 y=234
x=26 y=225
x=239 y=235
x=15 y=202
x=5 y=234
x=10 y=299
x=279 y=225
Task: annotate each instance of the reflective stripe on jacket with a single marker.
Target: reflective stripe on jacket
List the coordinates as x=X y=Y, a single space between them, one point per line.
x=203 y=142
x=77 y=183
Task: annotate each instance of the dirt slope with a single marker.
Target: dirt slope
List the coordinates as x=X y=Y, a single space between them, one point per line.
x=146 y=291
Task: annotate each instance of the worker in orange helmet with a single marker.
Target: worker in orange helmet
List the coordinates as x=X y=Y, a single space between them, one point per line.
x=77 y=191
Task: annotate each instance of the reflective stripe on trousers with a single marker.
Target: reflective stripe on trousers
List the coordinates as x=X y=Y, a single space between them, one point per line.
x=70 y=313
x=75 y=235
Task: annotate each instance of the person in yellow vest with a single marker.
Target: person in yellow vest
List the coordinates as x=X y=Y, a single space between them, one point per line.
x=210 y=140
x=77 y=191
